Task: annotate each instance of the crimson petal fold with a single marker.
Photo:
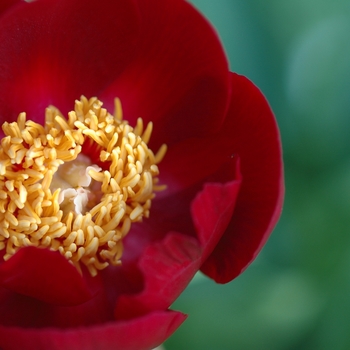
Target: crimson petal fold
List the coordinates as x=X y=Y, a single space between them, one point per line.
x=254 y=135
x=212 y=210
x=168 y=267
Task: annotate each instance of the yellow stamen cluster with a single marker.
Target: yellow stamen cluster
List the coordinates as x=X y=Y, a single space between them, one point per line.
x=30 y=155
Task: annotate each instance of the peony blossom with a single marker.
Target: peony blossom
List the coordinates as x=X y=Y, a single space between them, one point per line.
x=208 y=203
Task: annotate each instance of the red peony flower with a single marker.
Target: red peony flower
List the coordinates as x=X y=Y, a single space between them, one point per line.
x=61 y=282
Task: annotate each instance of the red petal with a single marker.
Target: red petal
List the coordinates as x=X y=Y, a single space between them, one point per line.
x=188 y=166
x=51 y=52
x=168 y=266
x=44 y=275
x=18 y=310
x=212 y=210
x=142 y=334
x=255 y=138
x=7 y=4
x=179 y=75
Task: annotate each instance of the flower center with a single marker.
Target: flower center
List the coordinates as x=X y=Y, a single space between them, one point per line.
x=78 y=191
x=82 y=204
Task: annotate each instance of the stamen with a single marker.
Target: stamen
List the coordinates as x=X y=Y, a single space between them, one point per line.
x=54 y=196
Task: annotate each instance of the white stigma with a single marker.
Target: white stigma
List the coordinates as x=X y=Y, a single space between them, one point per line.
x=76 y=185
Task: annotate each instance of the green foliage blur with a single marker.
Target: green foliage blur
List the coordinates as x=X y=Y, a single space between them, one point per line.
x=296 y=295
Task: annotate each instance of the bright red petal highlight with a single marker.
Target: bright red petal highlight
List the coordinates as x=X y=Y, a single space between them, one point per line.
x=255 y=138
x=178 y=77
x=142 y=333
x=52 y=52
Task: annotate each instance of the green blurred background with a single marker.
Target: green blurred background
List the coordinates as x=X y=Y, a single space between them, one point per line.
x=296 y=295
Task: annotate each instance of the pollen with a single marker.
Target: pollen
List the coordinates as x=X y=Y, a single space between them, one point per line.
x=76 y=185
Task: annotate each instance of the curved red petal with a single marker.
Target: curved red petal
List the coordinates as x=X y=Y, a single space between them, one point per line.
x=44 y=275
x=256 y=140
x=143 y=333
x=212 y=210
x=179 y=76
x=51 y=52
x=168 y=266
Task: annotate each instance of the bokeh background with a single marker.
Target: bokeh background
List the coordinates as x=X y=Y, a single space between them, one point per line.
x=296 y=295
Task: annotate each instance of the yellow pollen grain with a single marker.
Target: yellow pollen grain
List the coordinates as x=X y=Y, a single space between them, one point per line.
x=31 y=211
